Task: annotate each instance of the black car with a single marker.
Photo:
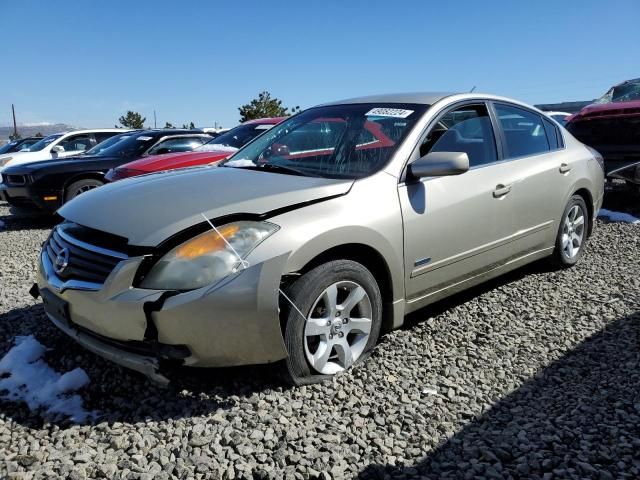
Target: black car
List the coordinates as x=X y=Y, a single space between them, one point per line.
x=17 y=145
x=48 y=184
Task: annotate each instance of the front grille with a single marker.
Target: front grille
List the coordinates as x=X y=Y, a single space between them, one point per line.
x=84 y=262
x=15 y=179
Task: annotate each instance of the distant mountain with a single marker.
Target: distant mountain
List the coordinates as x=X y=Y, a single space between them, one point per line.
x=30 y=130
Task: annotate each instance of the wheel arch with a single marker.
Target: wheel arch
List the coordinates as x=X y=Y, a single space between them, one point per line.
x=95 y=175
x=371 y=259
x=588 y=199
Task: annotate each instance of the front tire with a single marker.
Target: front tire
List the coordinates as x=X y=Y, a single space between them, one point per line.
x=572 y=233
x=335 y=322
x=80 y=187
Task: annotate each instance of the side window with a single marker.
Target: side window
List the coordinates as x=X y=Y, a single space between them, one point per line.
x=524 y=131
x=172 y=145
x=552 y=134
x=466 y=129
x=76 y=143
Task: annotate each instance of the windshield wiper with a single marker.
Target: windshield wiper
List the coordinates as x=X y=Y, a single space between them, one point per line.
x=271 y=167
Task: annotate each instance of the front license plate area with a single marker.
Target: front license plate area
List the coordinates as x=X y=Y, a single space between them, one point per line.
x=56 y=306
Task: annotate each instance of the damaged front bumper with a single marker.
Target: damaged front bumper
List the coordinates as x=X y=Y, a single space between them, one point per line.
x=233 y=322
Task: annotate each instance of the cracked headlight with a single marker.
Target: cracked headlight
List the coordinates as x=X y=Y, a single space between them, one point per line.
x=207 y=258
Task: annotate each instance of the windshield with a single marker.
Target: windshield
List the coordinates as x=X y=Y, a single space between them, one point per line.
x=335 y=141
x=36 y=147
x=235 y=138
x=102 y=146
x=131 y=146
x=625 y=92
x=8 y=147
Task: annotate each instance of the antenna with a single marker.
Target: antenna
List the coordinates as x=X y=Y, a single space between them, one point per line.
x=15 y=128
x=154 y=120
x=471 y=91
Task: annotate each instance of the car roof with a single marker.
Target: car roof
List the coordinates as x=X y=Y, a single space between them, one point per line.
x=93 y=130
x=426 y=98
x=265 y=121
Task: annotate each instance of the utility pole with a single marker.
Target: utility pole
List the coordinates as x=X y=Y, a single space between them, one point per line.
x=154 y=120
x=15 y=127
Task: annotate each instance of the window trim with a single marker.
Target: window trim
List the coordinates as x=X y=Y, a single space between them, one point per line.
x=415 y=152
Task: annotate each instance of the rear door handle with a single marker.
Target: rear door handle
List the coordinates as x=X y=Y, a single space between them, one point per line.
x=564 y=168
x=501 y=190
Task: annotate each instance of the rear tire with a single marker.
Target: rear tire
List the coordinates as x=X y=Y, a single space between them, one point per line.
x=338 y=322
x=81 y=186
x=571 y=238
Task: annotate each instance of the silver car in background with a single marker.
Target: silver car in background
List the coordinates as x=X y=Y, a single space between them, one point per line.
x=319 y=234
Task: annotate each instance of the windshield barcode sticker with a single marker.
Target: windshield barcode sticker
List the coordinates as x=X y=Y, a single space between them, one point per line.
x=389 y=112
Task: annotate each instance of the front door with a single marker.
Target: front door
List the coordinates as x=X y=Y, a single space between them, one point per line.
x=457 y=227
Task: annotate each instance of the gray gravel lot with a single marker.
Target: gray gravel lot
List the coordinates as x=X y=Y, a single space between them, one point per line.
x=536 y=375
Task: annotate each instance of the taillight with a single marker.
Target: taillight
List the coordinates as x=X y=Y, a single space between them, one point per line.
x=597 y=156
x=116 y=174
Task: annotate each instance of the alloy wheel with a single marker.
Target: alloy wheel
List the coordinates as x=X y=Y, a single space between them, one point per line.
x=573 y=231
x=84 y=188
x=337 y=328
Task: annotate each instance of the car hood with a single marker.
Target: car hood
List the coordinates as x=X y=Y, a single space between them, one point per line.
x=23 y=157
x=149 y=209
x=32 y=167
x=170 y=161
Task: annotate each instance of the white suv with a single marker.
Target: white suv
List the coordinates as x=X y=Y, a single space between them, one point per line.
x=60 y=145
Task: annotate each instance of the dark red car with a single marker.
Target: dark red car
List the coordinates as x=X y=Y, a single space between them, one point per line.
x=216 y=150
x=612 y=127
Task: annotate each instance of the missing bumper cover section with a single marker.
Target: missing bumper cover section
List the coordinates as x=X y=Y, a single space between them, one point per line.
x=168 y=355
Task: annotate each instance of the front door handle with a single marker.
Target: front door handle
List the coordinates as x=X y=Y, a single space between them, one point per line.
x=501 y=190
x=564 y=168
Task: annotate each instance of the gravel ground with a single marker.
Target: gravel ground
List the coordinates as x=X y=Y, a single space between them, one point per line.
x=535 y=375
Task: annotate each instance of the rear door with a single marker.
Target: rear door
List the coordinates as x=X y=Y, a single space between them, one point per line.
x=457 y=227
x=542 y=171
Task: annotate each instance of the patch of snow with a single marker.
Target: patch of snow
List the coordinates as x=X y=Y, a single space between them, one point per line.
x=241 y=162
x=26 y=377
x=216 y=147
x=617 y=216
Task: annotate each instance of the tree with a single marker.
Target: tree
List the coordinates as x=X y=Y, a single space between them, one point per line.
x=132 y=120
x=39 y=134
x=189 y=126
x=168 y=125
x=263 y=107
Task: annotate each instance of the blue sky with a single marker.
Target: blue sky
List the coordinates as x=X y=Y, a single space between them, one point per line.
x=87 y=62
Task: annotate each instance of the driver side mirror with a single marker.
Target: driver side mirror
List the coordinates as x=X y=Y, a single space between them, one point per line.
x=57 y=149
x=439 y=164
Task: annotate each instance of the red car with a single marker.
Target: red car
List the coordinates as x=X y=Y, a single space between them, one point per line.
x=612 y=127
x=216 y=150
